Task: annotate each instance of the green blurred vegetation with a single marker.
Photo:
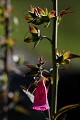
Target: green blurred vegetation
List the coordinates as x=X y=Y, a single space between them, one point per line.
x=68 y=33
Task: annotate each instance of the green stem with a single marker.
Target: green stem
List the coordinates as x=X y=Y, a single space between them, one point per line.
x=47 y=38
x=55 y=66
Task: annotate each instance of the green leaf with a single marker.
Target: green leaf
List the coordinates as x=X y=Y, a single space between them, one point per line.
x=33 y=70
x=32 y=15
x=59 y=18
x=28 y=40
x=36 y=36
x=37 y=21
x=34 y=39
x=22 y=110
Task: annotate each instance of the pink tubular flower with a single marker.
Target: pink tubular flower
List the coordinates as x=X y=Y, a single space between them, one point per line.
x=40 y=97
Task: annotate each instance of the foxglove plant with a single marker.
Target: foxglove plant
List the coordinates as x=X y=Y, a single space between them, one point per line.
x=38 y=16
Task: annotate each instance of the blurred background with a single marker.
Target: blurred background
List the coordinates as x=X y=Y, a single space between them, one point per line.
x=68 y=40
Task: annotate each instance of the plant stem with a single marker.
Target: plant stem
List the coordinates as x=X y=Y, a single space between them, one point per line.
x=6 y=71
x=55 y=66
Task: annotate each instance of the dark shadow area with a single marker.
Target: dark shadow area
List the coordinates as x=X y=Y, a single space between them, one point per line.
x=68 y=93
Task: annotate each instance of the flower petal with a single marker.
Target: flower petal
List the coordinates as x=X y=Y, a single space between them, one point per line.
x=33 y=29
x=41 y=11
x=51 y=14
x=29 y=18
x=66 y=11
x=66 y=55
x=46 y=11
x=32 y=9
